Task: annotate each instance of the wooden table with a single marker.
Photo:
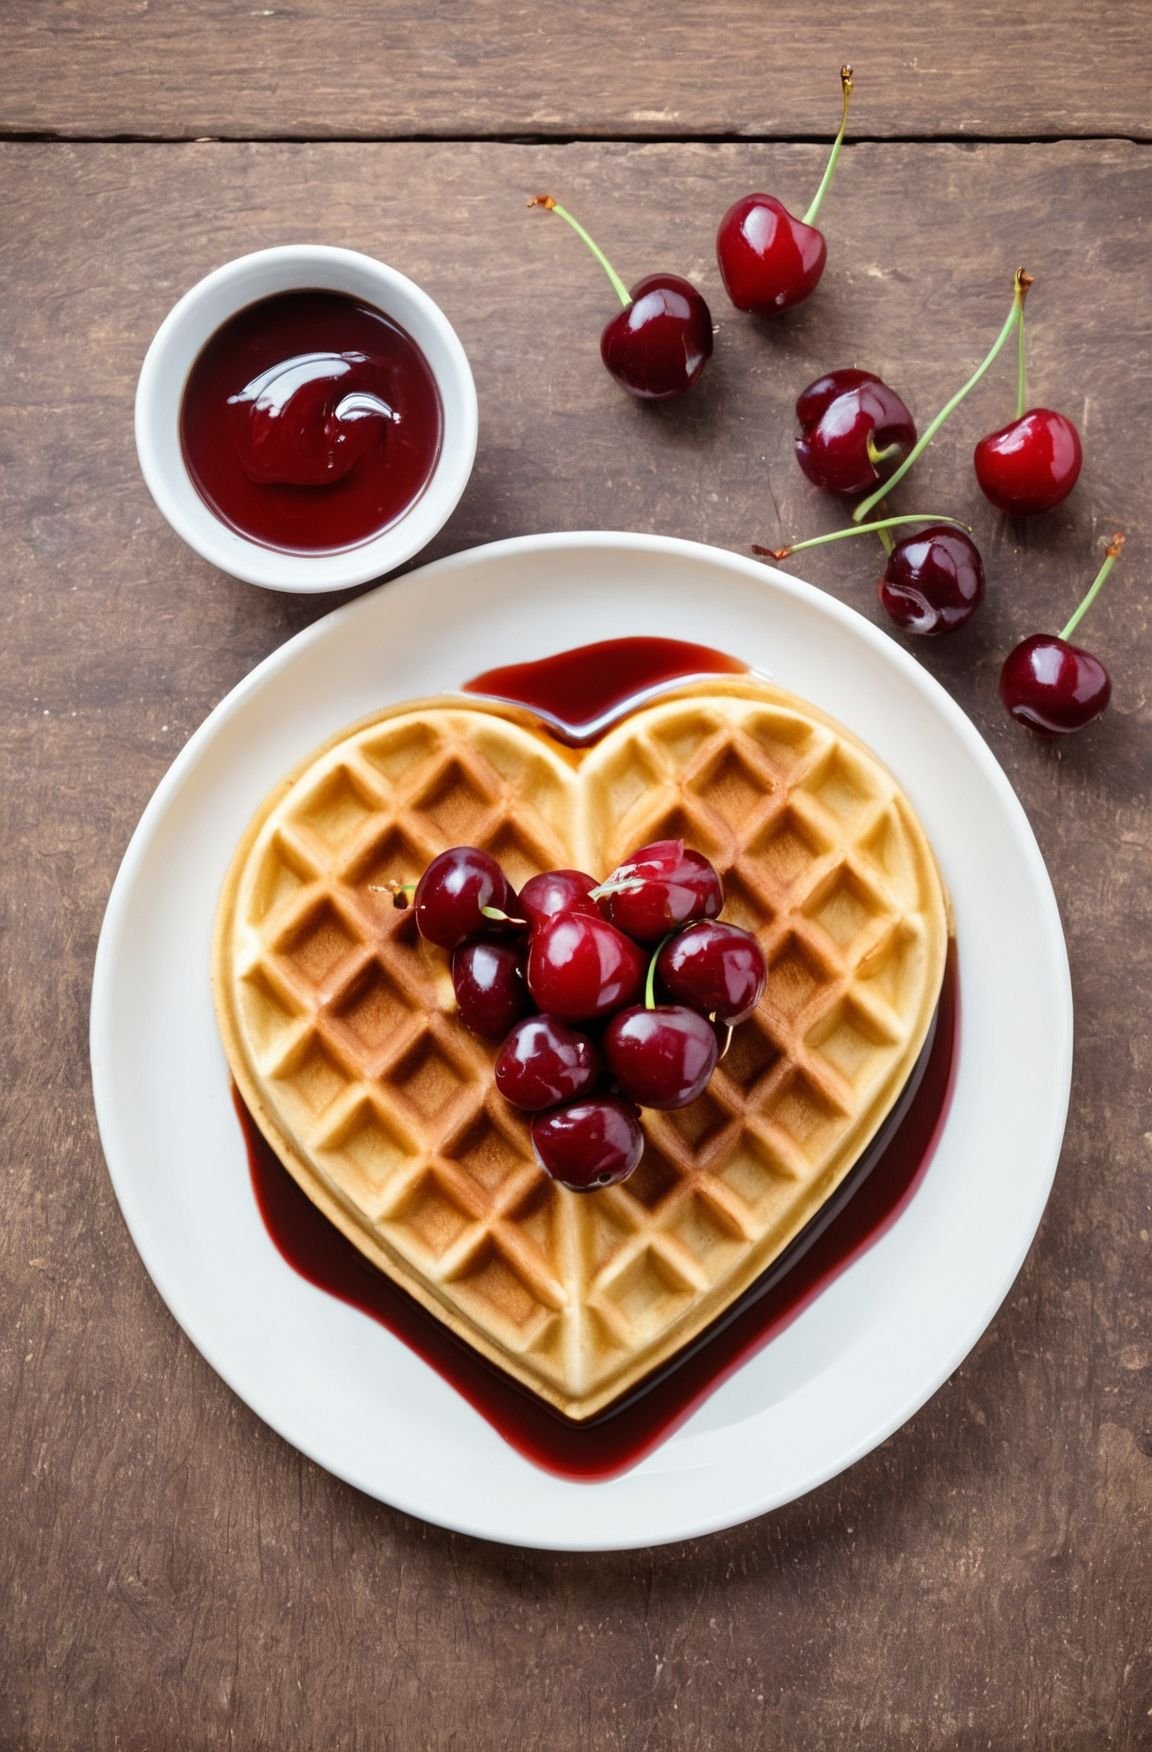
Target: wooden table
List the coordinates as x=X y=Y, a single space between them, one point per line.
x=172 y=1574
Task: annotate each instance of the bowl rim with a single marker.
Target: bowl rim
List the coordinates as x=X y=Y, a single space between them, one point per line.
x=156 y=405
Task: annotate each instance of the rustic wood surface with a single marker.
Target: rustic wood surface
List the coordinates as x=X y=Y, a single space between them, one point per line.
x=171 y=1573
x=332 y=69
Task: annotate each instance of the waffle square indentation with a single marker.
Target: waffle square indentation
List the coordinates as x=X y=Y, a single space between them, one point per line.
x=337 y=809
x=318 y=941
x=371 y=1007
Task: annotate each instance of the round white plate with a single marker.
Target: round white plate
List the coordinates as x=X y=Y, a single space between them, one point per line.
x=879 y=1340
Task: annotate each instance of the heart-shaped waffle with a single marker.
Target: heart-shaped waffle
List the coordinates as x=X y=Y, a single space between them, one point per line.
x=339 y=1021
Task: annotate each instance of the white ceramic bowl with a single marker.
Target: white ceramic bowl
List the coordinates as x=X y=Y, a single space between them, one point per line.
x=197 y=316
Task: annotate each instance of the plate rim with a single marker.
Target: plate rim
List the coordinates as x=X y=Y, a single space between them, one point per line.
x=978 y=1317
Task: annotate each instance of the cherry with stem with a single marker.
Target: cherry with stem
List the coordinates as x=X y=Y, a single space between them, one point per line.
x=1032 y=464
x=933 y=580
x=1052 y=686
x=659 y=343
x=769 y=260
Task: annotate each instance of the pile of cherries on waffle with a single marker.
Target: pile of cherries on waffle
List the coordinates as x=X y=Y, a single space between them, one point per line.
x=566 y=975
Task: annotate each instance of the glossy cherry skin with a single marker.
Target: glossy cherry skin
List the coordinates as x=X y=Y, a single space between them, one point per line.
x=1054 y=687
x=658 y=345
x=661 y=1057
x=715 y=968
x=934 y=580
x=591 y=1143
x=544 y=1062
x=581 y=967
x=839 y=414
x=489 y=986
x=673 y=886
x=1031 y=464
x=769 y=260
x=556 y=891
x=452 y=891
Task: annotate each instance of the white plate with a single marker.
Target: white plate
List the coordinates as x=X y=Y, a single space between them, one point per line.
x=879 y=1340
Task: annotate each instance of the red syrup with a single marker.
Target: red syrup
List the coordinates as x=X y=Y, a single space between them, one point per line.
x=862 y=1209
x=310 y=422
x=579 y=693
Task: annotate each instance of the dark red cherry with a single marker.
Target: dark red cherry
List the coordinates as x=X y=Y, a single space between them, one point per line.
x=454 y=889
x=591 y=1143
x=854 y=432
x=658 y=345
x=489 y=987
x=662 y=886
x=1030 y=465
x=1054 y=687
x=715 y=968
x=934 y=580
x=544 y=1062
x=661 y=1057
x=304 y=423
x=581 y=967
x=556 y=891
x=769 y=260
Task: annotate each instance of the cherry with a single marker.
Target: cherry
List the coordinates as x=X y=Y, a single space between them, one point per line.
x=661 y=886
x=581 y=967
x=770 y=260
x=661 y=1057
x=1013 y=320
x=556 y=891
x=591 y=1143
x=659 y=343
x=453 y=892
x=1031 y=464
x=489 y=987
x=933 y=582
x=1051 y=686
x=544 y=1062
x=303 y=423
x=715 y=968
x=854 y=432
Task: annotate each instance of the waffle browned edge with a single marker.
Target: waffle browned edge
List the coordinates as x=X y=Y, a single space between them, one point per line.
x=249 y=1085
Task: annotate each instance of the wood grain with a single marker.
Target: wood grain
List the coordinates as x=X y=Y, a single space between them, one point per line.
x=326 y=69
x=171 y=1573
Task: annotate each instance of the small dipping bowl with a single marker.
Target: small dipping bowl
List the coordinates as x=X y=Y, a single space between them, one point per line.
x=177 y=345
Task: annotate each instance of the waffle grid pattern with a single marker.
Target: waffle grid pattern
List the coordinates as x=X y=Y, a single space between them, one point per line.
x=339 y=1026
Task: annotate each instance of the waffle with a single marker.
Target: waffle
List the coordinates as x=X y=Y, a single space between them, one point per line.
x=338 y=1020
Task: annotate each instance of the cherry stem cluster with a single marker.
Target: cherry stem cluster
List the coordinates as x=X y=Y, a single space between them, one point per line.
x=825 y=180
x=1019 y=294
x=553 y=206
x=1112 y=553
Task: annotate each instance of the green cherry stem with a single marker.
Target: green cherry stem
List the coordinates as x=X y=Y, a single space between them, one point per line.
x=825 y=180
x=1021 y=364
x=553 y=206
x=884 y=534
x=1019 y=293
x=500 y=917
x=650 y=981
x=1112 y=554
x=885 y=523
